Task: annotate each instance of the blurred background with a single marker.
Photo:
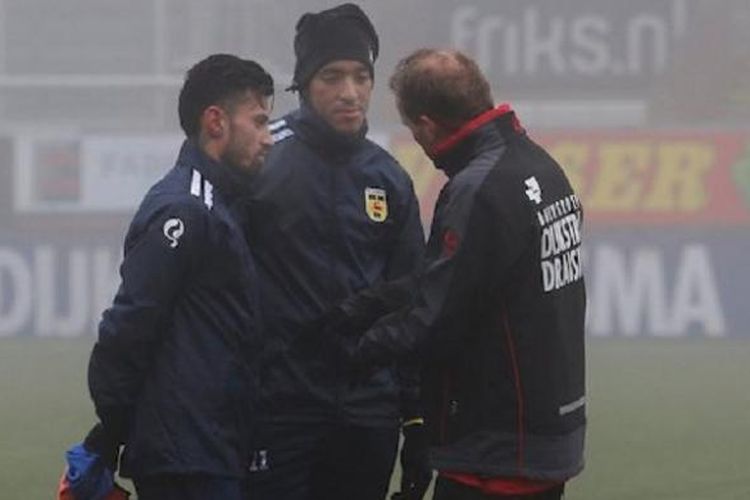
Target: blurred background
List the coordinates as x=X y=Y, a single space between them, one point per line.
x=646 y=103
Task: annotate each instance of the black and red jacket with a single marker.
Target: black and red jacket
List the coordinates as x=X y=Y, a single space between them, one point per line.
x=499 y=315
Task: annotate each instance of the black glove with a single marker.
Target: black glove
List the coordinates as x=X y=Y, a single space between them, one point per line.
x=355 y=370
x=358 y=312
x=345 y=320
x=104 y=444
x=416 y=473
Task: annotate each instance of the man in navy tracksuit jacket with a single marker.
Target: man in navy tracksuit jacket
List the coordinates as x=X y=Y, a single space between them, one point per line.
x=499 y=311
x=174 y=368
x=332 y=214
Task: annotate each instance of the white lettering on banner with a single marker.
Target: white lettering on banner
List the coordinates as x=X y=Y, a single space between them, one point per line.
x=630 y=294
x=589 y=34
x=16 y=306
x=105 y=279
x=542 y=45
x=696 y=298
x=54 y=293
x=625 y=295
x=529 y=42
x=50 y=318
x=112 y=172
x=116 y=171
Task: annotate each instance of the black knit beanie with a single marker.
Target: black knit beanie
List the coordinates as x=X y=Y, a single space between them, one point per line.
x=340 y=33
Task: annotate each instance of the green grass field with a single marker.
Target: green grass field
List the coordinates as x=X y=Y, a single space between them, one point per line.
x=668 y=419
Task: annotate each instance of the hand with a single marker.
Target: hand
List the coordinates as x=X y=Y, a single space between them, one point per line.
x=346 y=320
x=358 y=312
x=356 y=371
x=99 y=441
x=416 y=473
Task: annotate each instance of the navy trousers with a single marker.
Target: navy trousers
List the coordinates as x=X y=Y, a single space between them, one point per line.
x=323 y=462
x=189 y=487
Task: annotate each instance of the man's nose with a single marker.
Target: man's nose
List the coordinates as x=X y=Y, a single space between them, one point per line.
x=348 y=89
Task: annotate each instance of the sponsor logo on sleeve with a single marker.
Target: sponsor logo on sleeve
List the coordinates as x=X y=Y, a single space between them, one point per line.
x=561 y=243
x=173 y=230
x=450 y=242
x=259 y=461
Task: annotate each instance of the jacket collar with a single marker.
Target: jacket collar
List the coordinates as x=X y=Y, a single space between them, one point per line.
x=230 y=182
x=486 y=131
x=316 y=132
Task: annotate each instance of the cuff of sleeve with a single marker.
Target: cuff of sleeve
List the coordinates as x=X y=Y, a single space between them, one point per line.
x=412 y=422
x=116 y=422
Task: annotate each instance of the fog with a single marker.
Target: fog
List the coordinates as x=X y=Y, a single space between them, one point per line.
x=646 y=103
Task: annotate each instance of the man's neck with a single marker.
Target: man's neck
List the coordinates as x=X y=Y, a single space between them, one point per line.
x=209 y=148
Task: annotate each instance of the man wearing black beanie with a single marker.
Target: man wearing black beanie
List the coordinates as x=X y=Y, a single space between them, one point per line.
x=332 y=214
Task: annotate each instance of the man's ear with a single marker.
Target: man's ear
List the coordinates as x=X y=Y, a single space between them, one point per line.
x=213 y=122
x=433 y=131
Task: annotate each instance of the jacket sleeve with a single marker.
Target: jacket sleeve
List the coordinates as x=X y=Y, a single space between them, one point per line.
x=402 y=267
x=471 y=248
x=408 y=247
x=160 y=250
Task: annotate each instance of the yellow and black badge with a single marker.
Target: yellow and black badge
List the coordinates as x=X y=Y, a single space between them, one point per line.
x=376 y=204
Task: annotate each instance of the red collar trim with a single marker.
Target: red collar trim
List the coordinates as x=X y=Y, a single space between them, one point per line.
x=470 y=127
x=501 y=486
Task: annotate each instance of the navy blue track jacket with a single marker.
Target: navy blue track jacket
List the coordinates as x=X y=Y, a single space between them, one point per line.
x=499 y=313
x=174 y=362
x=331 y=215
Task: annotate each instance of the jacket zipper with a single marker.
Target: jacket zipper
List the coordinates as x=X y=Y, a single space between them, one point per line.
x=332 y=254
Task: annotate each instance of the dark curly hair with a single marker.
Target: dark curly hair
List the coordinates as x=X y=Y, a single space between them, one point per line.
x=219 y=79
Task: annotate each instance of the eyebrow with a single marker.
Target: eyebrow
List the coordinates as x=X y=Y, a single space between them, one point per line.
x=332 y=71
x=337 y=71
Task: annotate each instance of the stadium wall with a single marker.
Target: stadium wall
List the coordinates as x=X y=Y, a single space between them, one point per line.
x=667 y=215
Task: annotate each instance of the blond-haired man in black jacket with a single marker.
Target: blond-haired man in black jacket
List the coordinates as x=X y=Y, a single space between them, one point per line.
x=499 y=313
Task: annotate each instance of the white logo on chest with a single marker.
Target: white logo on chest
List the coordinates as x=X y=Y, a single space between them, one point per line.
x=533 y=191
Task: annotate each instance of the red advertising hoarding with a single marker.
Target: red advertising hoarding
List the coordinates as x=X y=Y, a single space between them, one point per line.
x=633 y=178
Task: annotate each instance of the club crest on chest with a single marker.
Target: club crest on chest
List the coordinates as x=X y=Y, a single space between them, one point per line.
x=376 y=204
